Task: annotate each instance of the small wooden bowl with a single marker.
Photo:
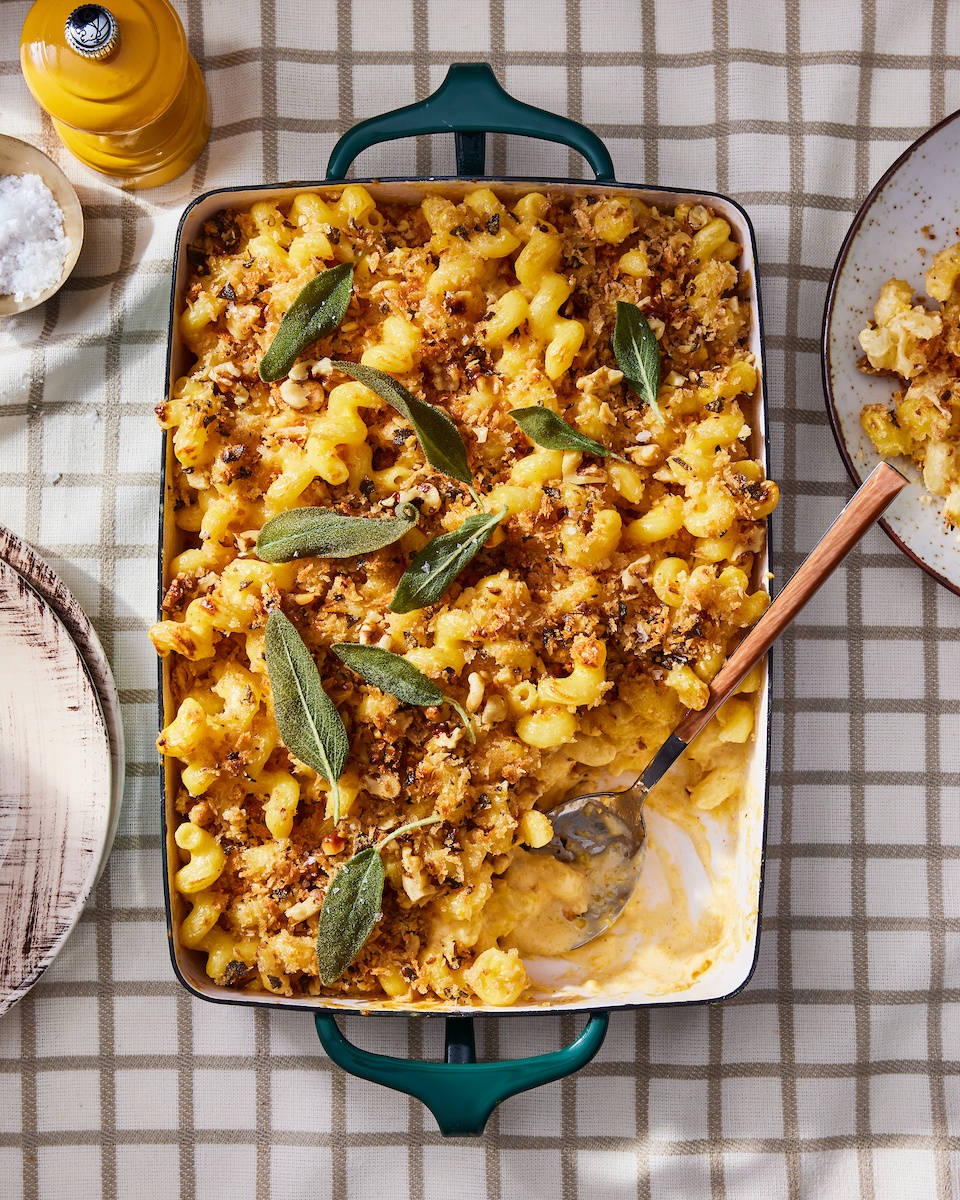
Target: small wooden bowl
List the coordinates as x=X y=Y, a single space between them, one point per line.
x=20 y=158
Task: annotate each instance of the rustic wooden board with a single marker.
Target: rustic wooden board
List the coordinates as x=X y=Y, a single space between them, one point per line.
x=55 y=785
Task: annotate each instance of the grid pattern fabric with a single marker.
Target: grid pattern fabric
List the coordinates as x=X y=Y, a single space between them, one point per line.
x=837 y=1071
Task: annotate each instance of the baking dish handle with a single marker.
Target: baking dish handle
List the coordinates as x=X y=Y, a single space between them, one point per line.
x=470 y=103
x=462 y=1093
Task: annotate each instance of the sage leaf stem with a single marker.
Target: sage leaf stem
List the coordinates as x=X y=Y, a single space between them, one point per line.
x=433 y=819
x=323 y=533
x=317 y=311
x=308 y=720
x=464 y=717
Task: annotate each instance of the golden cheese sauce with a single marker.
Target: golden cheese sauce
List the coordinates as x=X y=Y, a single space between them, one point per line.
x=694 y=909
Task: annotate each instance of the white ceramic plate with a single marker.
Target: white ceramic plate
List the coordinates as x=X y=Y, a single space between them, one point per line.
x=55 y=785
x=911 y=213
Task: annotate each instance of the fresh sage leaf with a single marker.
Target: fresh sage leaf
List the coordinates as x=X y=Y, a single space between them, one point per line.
x=637 y=352
x=350 y=911
x=441 y=441
x=394 y=674
x=547 y=429
x=441 y=561
x=351 y=906
x=317 y=311
x=307 y=718
x=323 y=533
x=390 y=673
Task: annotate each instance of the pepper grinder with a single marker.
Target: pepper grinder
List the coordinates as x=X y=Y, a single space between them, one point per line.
x=125 y=95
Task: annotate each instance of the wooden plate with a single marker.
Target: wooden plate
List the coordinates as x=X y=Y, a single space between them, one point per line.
x=51 y=589
x=55 y=785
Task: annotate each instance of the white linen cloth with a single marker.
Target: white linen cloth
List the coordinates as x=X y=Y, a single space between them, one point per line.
x=835 y=1073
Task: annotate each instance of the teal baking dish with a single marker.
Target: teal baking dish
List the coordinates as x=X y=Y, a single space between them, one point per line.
x=460 y=1091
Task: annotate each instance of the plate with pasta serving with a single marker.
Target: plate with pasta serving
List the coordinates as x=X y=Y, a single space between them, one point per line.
x=891 y=356
x=464 y=504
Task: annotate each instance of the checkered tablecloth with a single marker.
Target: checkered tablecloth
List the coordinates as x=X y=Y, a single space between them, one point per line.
x=835 y=1073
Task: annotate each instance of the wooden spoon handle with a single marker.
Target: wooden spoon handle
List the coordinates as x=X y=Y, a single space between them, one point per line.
x=868 y=502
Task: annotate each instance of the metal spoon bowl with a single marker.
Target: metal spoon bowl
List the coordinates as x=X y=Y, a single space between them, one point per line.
x=602 y=833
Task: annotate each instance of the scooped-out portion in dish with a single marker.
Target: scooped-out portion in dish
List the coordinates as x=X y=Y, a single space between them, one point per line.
x=919 y=349
x=467 y=514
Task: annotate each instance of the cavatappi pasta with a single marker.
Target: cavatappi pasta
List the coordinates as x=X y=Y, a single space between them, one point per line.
x=600 y=607
x=920 y=348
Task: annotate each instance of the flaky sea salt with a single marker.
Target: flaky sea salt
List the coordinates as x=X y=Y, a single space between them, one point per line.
x=32 y=242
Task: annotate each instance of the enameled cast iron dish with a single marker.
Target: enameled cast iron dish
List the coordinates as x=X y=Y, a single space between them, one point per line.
x=461 y=1092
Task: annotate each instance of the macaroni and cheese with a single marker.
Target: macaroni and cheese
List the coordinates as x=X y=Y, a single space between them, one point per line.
x=921 y=349
x=599 y=609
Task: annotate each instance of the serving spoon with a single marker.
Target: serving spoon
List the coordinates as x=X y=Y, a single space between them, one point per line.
x=602 y=833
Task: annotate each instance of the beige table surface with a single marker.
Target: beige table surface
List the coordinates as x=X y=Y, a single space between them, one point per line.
x=835 y=1073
